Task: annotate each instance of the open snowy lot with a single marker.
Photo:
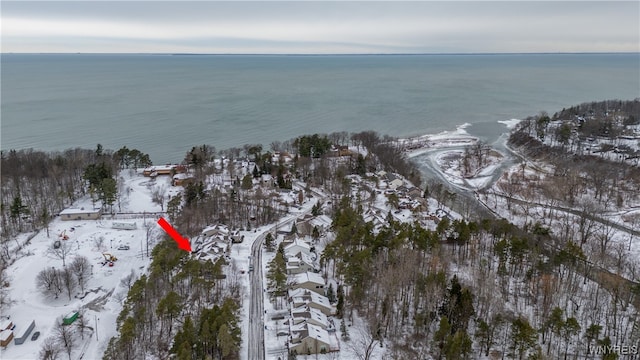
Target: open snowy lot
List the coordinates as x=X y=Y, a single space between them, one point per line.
x=101 y=300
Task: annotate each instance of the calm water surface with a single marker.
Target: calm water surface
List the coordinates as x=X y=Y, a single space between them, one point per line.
x=164 y=104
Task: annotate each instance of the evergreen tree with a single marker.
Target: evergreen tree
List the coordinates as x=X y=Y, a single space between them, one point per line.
x=592 y=333
x=315 y=233
x=441 y=335
x=458 y=345
x=331 y=294
x=269 y=242
x=277 y=275
x=523 y=337
x=340 y=303
x=344 y=331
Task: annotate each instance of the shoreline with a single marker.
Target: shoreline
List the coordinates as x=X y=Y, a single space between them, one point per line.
x=437 y=149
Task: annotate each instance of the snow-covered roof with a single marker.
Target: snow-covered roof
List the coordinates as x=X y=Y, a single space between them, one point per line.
x=309 y=277
x=305 y=312
x=160 y=168
x=395 y=183
x=5 y=335
x=72 y=211
x=321 y=220
x=181 y=176
x=318 y=333
x=305 y=295
x=296 y=246
x=4 y=324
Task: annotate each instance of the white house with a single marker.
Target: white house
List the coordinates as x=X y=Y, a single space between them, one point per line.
x=310 y=340
x=221 y=230
x=80 y=214
x=396 y=183
x=299 y=263
x=298 y=246
x=310 y=281
x=267 y=180
x=309 y=315
x=300 y=297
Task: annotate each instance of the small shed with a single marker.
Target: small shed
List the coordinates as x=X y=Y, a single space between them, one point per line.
x=5 y=337
x=25 y=334
x=70 y=318
x=6 y=324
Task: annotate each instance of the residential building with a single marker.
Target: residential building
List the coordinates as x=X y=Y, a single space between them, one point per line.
x=299 y=297
x=311 y=339
x=80 y=214
x=310 y=281
x=300 y=263
x=309 y=315
x=297 y=246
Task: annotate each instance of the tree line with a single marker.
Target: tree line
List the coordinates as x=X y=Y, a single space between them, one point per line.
x=183 y=307
x=525 y=293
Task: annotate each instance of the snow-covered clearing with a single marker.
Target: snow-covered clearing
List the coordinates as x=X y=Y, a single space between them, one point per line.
x=101 y=301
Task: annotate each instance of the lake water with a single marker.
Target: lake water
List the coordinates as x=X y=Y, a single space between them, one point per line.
x=165 y=104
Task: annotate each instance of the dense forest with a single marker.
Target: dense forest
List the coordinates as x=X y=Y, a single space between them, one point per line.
x=475 y=287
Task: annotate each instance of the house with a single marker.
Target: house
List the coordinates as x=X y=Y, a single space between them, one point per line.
x=5 y=337
x=181 y=179
x=311 y=299
x=415 y=193
x=305 y=314
x=303 y=225
x=310 y=340
x=80 y=214
x=322 y=222
x=266 y=180
x=216 y=230
x=310 y=281
x=299 y=263
x=394 y=184
x=163 y=170
x=236 y=237
x=297 y=246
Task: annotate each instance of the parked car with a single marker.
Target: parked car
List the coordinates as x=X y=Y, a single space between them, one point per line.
x=35 y=335
x=123 y=247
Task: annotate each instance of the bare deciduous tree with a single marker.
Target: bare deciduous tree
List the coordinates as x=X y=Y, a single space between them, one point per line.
x=50 y=349
x=61 y=252
x=48 y=281
x=129 y=279
x=65 y=338
x=364 y=344
x=81 y=269
x=68 y=280
x=158 y=196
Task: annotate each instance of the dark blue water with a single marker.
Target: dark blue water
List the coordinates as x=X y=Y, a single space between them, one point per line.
x=164 y=104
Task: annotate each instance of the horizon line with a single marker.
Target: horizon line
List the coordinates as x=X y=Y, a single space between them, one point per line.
x=322 y=54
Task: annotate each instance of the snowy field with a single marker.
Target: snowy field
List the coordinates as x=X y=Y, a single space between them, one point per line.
x=103 y=296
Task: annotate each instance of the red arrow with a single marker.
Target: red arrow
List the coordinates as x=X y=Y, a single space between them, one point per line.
x=183 y=243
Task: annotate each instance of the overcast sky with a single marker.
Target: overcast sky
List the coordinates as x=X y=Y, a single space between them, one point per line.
x=320 y=27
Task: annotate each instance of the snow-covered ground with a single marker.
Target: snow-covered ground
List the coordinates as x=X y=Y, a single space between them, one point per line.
x=104 y=293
